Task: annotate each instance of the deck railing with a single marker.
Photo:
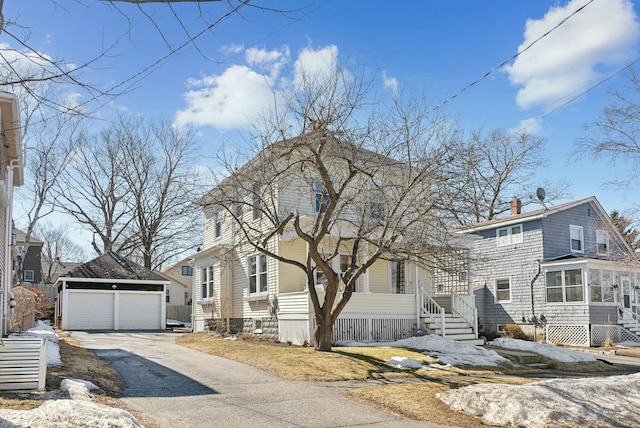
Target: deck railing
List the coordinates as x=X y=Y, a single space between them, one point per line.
x=466 y=311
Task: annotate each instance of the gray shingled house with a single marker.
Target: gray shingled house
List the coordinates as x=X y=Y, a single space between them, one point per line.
x=111 y=293
x=564 y=270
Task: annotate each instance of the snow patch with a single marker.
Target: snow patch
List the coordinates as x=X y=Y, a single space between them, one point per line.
x=555 y=353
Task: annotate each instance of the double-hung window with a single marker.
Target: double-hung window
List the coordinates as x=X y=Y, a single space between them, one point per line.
x=509 y=235
x=564 y=286
x=601 y=286
x=398 y=277
x=377 y=203
x=577 y=239
x=321 y=198
x=257 y=274
x=217 y=219
x=187 y=271
x=29 y=275
x=345 y=265
x=256 y=196
x=207 y=283
x=168 y=295
x=503 y=290
x=602 y=242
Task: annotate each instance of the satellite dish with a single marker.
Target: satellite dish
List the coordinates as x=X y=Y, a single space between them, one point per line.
x=540 y=193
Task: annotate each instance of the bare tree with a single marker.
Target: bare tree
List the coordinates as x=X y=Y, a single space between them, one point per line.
x=57 y=248
x=93 y=190
x=493 y=169
x=133 y=187
x=616 y=133
x=379 y=175
x=162 y=188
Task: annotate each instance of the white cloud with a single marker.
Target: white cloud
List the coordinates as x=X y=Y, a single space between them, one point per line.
x=230 y=100
x=241 y=94
x=315 y=65
x=572 y=56
x=531 y=126
x=391 y=83
x=231 y=49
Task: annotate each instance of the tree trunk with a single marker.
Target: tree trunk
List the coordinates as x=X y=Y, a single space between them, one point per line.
x=322 y=334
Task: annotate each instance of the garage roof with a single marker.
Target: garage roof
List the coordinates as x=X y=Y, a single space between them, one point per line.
x=113 y=266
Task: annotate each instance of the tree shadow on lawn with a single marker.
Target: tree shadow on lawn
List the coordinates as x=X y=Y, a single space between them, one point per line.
x=382 y=367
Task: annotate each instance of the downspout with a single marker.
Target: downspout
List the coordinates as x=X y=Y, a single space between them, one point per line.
x=533 y=307
x=8 y=262
x=229 y=303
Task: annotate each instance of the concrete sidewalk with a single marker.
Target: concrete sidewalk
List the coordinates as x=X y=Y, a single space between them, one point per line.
x=174 y=386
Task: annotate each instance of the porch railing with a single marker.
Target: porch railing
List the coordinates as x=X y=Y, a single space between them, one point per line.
x=432 y=309
x=465 y=311
x=625 y=314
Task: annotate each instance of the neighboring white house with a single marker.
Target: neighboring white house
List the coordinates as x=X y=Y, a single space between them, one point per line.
x=11 y=175
x=180 y=274
x=240 y=289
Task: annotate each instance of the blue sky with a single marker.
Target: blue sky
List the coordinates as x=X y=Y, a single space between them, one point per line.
x=431 y=47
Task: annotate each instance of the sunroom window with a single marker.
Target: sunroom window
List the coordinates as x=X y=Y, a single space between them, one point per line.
x=564 y=286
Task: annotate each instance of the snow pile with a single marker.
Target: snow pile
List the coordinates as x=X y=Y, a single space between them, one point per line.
x=412 y=363
x=445 y=350
x=555 y=353
x=44 y=331
x=603 y=401
x=68 y=414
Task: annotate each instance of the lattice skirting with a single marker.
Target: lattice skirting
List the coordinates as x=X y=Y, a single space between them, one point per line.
x=372 y=329
x=577 y=335
x=600 y=334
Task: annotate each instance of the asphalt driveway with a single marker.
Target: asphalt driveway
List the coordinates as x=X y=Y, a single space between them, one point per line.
x=174 y=386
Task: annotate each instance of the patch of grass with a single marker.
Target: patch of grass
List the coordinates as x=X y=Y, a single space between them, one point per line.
x=296 y=363
x=418 y=400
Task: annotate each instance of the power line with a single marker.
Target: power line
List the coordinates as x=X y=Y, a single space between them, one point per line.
x=505 y=62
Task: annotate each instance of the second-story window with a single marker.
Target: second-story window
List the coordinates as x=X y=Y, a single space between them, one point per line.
x=256 y=201
x=602 y=242
x=217 y=218
x=576 y=237
x=509 y=235
x=321 y=198
x=187 y=271
x=377 y=204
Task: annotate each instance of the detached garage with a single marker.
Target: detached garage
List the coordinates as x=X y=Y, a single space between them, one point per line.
x=111 y=293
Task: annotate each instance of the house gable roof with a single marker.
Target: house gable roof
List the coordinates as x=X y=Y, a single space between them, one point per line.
x=113 y=266
x=542 y=213
x=20 y=237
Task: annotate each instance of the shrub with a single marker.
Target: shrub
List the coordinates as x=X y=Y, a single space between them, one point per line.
x=513 y=331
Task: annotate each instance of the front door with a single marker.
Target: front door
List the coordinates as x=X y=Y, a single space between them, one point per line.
x=625 y=289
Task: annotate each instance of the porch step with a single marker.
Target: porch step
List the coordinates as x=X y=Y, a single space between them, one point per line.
x=452 y=331
x=528 y=359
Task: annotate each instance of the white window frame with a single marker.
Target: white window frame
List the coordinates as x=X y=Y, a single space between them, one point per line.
x=377 y=203
x=256 y=201
x=496 y=296
x=257 y=325
x=580 y=230
x=510 y=237
x=207 y=283
x=602 y=237
x=217 y=224
x=29 y=275
x=563 y=286
x=261 y=276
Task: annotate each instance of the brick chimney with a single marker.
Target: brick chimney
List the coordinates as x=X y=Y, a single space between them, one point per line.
x=516 y=206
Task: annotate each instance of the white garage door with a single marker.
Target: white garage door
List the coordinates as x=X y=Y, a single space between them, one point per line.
x=140 y=311
x=90 y=311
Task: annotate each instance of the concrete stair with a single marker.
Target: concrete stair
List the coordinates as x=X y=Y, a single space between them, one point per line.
x=525 y=358
x=455 y=329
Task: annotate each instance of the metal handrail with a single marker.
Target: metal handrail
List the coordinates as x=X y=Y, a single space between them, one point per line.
x=433 y=309
x=465 y=311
